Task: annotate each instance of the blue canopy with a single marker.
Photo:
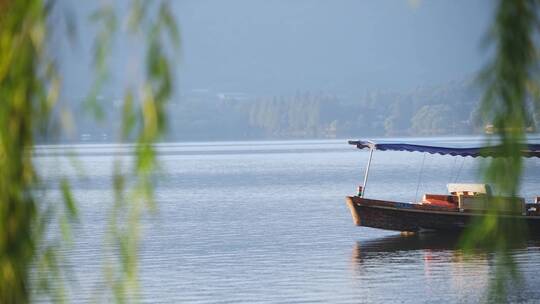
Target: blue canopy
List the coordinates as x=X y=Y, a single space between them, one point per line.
x=528 y=150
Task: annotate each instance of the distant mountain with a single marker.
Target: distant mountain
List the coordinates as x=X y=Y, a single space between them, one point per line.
x=451 y=109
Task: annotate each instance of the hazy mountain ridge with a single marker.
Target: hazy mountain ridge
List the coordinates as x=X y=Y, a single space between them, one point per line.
x=451 y=109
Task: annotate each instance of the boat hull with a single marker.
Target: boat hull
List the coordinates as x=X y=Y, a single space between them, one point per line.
x=412 y=218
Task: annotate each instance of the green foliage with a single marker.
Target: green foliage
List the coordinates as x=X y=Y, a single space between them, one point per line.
x=505 y=103
x=27 y=94
x=143 y=117
x=29 y=89
x=106 y=19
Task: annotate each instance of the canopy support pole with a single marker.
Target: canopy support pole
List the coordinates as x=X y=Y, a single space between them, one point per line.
x=367 y=172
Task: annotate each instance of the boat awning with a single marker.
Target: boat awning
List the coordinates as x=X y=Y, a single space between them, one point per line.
x=527 y=150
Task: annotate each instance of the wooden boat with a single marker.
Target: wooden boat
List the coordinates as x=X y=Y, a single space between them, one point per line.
x=448 y=212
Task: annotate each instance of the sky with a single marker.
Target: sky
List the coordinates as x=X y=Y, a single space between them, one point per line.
x=263 y=47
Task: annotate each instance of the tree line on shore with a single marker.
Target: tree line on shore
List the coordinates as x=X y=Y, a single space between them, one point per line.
x=451 y=109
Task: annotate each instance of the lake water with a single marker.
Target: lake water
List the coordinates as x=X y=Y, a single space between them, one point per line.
x=266 y=222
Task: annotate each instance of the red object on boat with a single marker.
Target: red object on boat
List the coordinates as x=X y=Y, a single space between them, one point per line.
x=360 y=191
x=440 y=203
x=444 y=201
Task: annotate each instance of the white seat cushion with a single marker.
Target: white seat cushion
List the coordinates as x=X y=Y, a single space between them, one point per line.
x=469 y=188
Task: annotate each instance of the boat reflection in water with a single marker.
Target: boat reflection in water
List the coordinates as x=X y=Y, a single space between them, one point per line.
x=433 y=264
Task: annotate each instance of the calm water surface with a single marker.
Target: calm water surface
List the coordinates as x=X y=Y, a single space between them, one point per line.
x=266 y=222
